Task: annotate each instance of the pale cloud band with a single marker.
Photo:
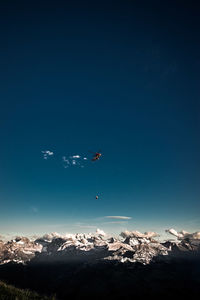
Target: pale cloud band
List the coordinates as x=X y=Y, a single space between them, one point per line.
x=118 y=217
x=116 y=222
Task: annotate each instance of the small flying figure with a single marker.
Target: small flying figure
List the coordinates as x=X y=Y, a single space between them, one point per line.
x=97 y=197
x=96 y=156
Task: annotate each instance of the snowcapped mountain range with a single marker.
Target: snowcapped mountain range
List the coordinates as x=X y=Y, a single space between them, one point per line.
x=131 y=246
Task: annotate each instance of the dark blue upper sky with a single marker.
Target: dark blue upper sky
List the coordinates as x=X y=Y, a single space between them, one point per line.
x=79 y=76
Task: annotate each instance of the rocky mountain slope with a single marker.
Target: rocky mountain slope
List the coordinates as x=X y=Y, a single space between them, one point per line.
x=130 y=247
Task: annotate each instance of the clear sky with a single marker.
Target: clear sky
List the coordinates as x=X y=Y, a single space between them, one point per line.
x=117 y=76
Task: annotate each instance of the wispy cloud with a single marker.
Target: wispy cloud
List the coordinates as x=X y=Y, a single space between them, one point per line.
x=118 y=217
x=76 y=156
x=47 y=154
x=74 y=160
x=116 y=222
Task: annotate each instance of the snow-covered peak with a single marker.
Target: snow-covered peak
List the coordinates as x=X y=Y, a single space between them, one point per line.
x=137 y=234
x=100 y=232
x=134 y=246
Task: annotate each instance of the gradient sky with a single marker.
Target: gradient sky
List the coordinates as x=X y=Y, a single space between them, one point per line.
x=121 y=77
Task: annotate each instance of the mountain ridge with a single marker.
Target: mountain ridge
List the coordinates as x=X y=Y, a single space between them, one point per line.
x=130 y=246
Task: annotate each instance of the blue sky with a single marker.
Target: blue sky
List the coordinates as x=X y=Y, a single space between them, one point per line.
x=79 y=77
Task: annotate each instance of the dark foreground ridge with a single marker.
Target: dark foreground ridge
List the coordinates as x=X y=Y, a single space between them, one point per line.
x=12 y=293
x=100 y=267
x=104 y=280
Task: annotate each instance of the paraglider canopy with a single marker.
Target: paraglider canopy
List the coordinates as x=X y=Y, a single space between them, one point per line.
x=96 y=156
